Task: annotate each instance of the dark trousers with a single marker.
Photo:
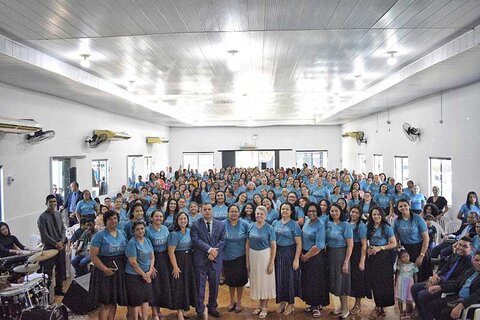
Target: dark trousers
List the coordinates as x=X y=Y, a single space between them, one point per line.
x=444 y=249
x=422 y=298
x=213 y=276
x=440 y=309
x=59 y=263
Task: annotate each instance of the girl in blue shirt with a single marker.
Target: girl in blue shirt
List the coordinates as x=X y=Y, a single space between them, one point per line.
x=139 y=271
x=261 y=249
x=367 y=204
x=359 y=254
x=379 y=264
x=470 y=205
x=314 y=262
x=234 y=262
x=397 y=196
x=340 y=245
x=182 y=273
x=241 y=200
x=277 y=187
x=411 y=231
x=306 y=194
x=287 y=260
x=157 y=233
x=107 y=252
x=354 y=199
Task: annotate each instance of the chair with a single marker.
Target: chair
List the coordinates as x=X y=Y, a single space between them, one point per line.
x=440 y=232
x=476 y=315
x=452 y=226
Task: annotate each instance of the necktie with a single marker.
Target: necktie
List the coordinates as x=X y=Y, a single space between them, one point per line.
x=450 y=271
x=208 y=227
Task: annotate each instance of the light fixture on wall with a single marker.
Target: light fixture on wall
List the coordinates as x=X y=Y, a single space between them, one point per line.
x=441 y=108
x=85 y=60
x=392 y=60
x=131 y=86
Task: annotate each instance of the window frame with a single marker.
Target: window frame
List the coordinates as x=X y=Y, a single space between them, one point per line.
x=324 y=163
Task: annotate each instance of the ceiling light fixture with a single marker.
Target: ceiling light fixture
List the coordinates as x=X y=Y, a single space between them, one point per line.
x=233 y=60
x=131 y=86
x=85 y=62
x=359 y=81
x=392 y=60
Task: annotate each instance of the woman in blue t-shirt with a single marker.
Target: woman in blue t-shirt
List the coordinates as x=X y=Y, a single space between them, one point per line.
x=182 y=274
x=107 y=252
x=359 y=254
x=247 y=213
x=320 y=192
x=234 y=262
x=383 y=199
x=287 y=260
x=417 y=200
x=336 y=194
x=158 y=235
x=154 y=205
x=87 y=207
x=261 y=248
x=136 y=214
x=470 y=205
x=367 y=204
x=139 y=271
x=219 y=209
x=412 y=232
x=340 y=245
x=299 y=214
x=170 y=213
x=379 y=264
x=272 y=214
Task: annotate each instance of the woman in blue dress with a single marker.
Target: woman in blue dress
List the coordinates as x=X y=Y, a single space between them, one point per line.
x=182 y=274
x=139 y=271
x=412 y=233
x=313 y=264
x=398 y=195
x=359 y=254
x=107 y=282
x=470 y=205
x=287 y=260
x=379 y=264
x=339 y=241
x=234 y=262
x=158 y=235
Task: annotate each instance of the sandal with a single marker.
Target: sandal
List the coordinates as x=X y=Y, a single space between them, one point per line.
x=256 y=311
x=375 y=314
x=263 y=314
x=232 y=308
x=356 y=310
x=281 y=307
x=336 y=312
x=309 y=309
x=316 y=313
x=238 y=309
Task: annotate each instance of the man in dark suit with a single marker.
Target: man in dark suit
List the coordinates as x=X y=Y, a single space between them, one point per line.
x=70 y=205
x=208 y=237
x=466 y=291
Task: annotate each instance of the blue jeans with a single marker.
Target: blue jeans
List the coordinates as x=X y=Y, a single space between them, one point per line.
x=80 y=263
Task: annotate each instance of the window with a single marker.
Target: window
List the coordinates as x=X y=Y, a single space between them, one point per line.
x=148 y=166
x=134 y=169
x=361 y=163
x=99 y=178
x=201 y=161
x=252 y=159
x=312 y=158
x=441 y=176
x=377 y=163
x=401 y=170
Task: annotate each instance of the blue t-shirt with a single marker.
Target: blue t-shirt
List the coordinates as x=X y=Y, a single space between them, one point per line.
x=334 y=197
x=353 y=202
x=191 y=219
x=277 y=191
x=382 y=200
x=313 y=234
x=377 y=239
x=250 y=194
x=127 y=227
x=465 y=209
x=396 y=198
x=168 y=221
x=410 y=231
x=147 y=215
x=286 y=233
x=86 y=208
x=109 y=245
x=298 y=213
x=374 y=188
x=320 y=193
x=272 y=216
x=220 y=212
x=476 y=242
x=247 y=220
x=345 y=188
x=123 y=215
x=181 y=242
x=464 y=292
x=338 y=233
x=360 y=233
x=417 y=201
x=235 y=238
x=260 y=238
x=157 y=238
x=143 y=253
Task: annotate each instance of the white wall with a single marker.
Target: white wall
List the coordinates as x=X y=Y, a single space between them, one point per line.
x=456 y=138
x=212 y=139
x=72 y=122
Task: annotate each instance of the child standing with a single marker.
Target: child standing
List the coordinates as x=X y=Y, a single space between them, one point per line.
x=432 y=231
x=406 y=277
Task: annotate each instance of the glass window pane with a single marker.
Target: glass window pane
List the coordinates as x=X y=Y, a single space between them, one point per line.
x=441 y=176
x=312 y=158
x=134 y=168
x=99 y=178
x=361 y=163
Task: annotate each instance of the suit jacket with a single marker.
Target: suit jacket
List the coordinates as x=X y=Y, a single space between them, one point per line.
x=454 y=287
x=471 y=233
x=203 y=241
x=70 y=197
x=464 y=264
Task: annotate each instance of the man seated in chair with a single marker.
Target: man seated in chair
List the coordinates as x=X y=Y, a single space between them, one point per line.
x=444 y=249
x=464 y=292
x=457 y=263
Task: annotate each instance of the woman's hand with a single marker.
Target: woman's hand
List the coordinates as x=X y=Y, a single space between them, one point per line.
x=296 y=264
x=345 y=268
x=419 y=261
x=373 y=250
x=361 y=266
x=147 y=277
x=270 y=268
x=109 y=272
x=176 y=273
x=303 y=258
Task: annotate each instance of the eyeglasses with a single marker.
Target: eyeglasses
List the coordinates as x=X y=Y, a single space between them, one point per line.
x=312 y=210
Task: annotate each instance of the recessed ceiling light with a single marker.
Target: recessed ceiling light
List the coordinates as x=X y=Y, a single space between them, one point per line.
x=392 y=60
x=85 y=61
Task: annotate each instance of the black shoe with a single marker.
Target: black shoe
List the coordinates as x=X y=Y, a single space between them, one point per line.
x=214 y=313
x=200 y=316
x=59 y=293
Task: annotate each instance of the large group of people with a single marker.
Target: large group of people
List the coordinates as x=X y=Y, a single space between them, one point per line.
x=285 y=233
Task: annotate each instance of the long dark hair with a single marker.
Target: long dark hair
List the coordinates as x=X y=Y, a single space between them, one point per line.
x=4 y=224
x=371 y=224
x=336 y=205
x=356 y=206
x=476 y=199
x=252 y=216
x=175 y=225
x=292 y=210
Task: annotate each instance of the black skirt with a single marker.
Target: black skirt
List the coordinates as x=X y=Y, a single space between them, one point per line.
x=162 y=296
x=315 y=280
x=357 y=289
x=379 y=279
x=425 y=270
x=235 y=272
x=138 y=290
x=184 y=289
x=109 y=290
x=288 y=283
